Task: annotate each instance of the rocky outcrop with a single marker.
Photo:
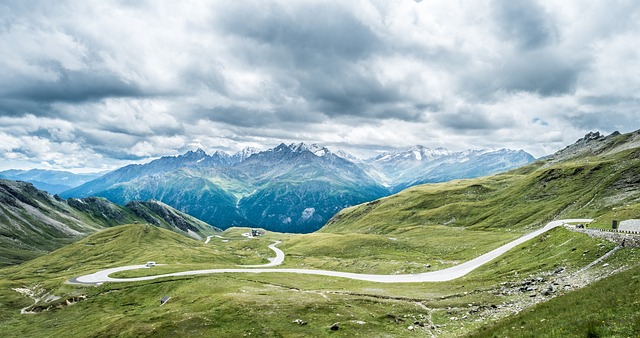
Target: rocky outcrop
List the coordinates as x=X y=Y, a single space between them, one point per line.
x=594 y=143
x=627 y=240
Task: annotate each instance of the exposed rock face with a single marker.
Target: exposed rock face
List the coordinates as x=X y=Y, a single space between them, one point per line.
x=595 y=143
x=162 y=215
x=101 y=209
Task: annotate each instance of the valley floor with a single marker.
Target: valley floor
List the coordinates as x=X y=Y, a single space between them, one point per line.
x=443 y=275
x=554 y=263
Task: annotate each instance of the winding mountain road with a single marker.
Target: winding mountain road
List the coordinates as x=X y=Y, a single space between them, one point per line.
x=275 y=261
x=433 y=276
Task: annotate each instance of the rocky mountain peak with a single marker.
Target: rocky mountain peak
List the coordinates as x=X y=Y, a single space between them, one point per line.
x=591 y=136
x=197 y=154
x=244 y=154
x=594 y=143
x=302 y=147
x=345 y=155
x=415 y=153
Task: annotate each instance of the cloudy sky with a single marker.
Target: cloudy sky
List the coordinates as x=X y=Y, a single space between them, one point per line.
x=99 y=84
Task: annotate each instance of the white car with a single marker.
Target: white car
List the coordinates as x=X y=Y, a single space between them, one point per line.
x=150 y=264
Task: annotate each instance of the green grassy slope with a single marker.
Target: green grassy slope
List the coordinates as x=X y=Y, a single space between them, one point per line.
x=162 y=215
x=412 y=251
x=607 y=308
x=126 y=245
x=32 y=222
x=260 y=305
x=523 y=198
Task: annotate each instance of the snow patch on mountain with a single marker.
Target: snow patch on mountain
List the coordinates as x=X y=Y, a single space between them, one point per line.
x=307 y=213
x=244 y=154
x=345 y=155
x=312 y=148
x=416 y=153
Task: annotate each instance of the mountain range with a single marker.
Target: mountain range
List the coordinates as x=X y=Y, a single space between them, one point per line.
x=52 y=181
x=288 y=188
x=419 y=165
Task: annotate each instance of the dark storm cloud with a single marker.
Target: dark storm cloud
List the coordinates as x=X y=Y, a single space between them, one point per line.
x=66 y=68
x=608 y=120
x=111 y=144
x=253 y=118
x=309 y=33
x=524 y=22
x=319 y=54
x=536 y=63
x=606 y=112
x=354 y=92
x=72 y=87
x=542 y=72
x=18 y=107
x=608 y=100
x=470 y=119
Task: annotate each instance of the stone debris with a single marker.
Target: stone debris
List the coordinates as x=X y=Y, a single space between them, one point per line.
x=335 y=327
x=395 y=318
x=300 y=322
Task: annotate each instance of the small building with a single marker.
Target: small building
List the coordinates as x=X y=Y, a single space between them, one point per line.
x=256 y=232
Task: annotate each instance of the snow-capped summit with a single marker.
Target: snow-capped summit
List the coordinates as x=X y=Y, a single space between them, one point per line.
x=244 y=154
x=415 y=153
x=198 y=153
x=313 y=148
x=345 y=155
x=420 y=164
x=422 y=153
x=318 y=150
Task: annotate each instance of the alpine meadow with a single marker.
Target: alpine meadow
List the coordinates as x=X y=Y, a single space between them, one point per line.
x=319 y=168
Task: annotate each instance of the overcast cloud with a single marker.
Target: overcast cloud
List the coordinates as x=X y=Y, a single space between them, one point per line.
x=99 y=84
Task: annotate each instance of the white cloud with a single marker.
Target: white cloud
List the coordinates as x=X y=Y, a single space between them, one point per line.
x=93 y=83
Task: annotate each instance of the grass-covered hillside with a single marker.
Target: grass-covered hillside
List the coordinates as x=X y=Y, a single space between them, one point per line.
x=607 y=308
x=268 y=305
x=573 y=183
x=32 y=222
